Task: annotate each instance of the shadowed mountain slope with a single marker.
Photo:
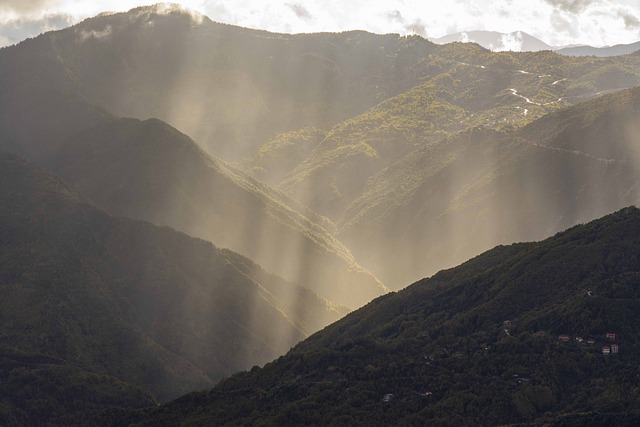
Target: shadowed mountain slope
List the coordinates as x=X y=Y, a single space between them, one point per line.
x=229 y=88
x=474 y=345
x=46 y=104
x=120 y=304
x=149 y=170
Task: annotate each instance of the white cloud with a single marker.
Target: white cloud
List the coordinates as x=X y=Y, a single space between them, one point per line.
x=16 y=30
x=512 y=42
x=93 y=34
x=557 y=22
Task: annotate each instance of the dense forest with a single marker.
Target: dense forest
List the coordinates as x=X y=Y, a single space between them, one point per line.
x=480 y=344
x=195 y=209
x=98 y=311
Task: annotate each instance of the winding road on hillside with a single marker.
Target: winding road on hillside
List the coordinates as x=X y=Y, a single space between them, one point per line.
x=514 y=92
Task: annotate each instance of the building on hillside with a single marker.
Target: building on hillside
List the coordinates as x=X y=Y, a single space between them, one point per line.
x=615 y=348
x=579 y=339
x=564 y=338
x=606 y=350
x=388 y=397
x=610 y=336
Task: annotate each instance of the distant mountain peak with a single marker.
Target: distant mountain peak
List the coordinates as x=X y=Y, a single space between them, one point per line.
x=584 y=50
x=516 y=41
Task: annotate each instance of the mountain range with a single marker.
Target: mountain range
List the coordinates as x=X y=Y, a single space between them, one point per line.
x=619 y=49
x=102 y=302
x=519 y=41
x=149 y=170
x=497 y=187
x=183 y=199
x=514 y=336
x=367 y=173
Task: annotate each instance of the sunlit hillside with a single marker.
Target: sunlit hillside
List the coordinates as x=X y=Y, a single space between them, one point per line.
x=480 y=344
x=182 y=199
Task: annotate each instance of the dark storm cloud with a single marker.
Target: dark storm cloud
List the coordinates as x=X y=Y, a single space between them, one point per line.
x=300 y=11
x=573 y=6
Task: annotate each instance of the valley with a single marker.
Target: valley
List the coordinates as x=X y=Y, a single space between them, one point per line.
x=205 y=224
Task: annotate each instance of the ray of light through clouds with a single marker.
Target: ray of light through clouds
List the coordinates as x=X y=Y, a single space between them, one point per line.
x=557 y=22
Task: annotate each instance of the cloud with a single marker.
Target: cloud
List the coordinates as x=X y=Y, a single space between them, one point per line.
x=93 y=34
x=558 y=22
x=417 y=27
x=395 y=16
x=572 y=6
x=300 y=11
x=168 y=9
x=512 y=42
x=630 y=21
x=21 y=6
x=561 y=24
x=16 y=30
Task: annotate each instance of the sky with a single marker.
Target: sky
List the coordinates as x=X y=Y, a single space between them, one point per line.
x=556 y=22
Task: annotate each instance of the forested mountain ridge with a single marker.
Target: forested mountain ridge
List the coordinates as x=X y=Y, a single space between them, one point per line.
x=114 y=306
x=219 y=83
x=356 y=156
x=208 y=198
x=462 y=86
x=481 y=188
x=149 y=170
x=481 y=344
x=382 y=98
x=231 y=89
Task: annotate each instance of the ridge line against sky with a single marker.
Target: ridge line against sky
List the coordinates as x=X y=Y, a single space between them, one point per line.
x=556 y=22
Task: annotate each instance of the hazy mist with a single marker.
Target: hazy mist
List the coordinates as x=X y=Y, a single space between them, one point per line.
x=220 y=193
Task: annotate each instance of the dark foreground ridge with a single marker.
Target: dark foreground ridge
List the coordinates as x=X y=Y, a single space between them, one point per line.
x=99 y=313
x=535 y=333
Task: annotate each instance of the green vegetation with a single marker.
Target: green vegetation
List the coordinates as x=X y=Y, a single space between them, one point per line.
x=121 y=312
x=35 y=389
x=283 y=153
x=411 y=155
x=149 y=170
x=229 y=88
x=460 y=86
x=453 y=199
x=474 y=345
